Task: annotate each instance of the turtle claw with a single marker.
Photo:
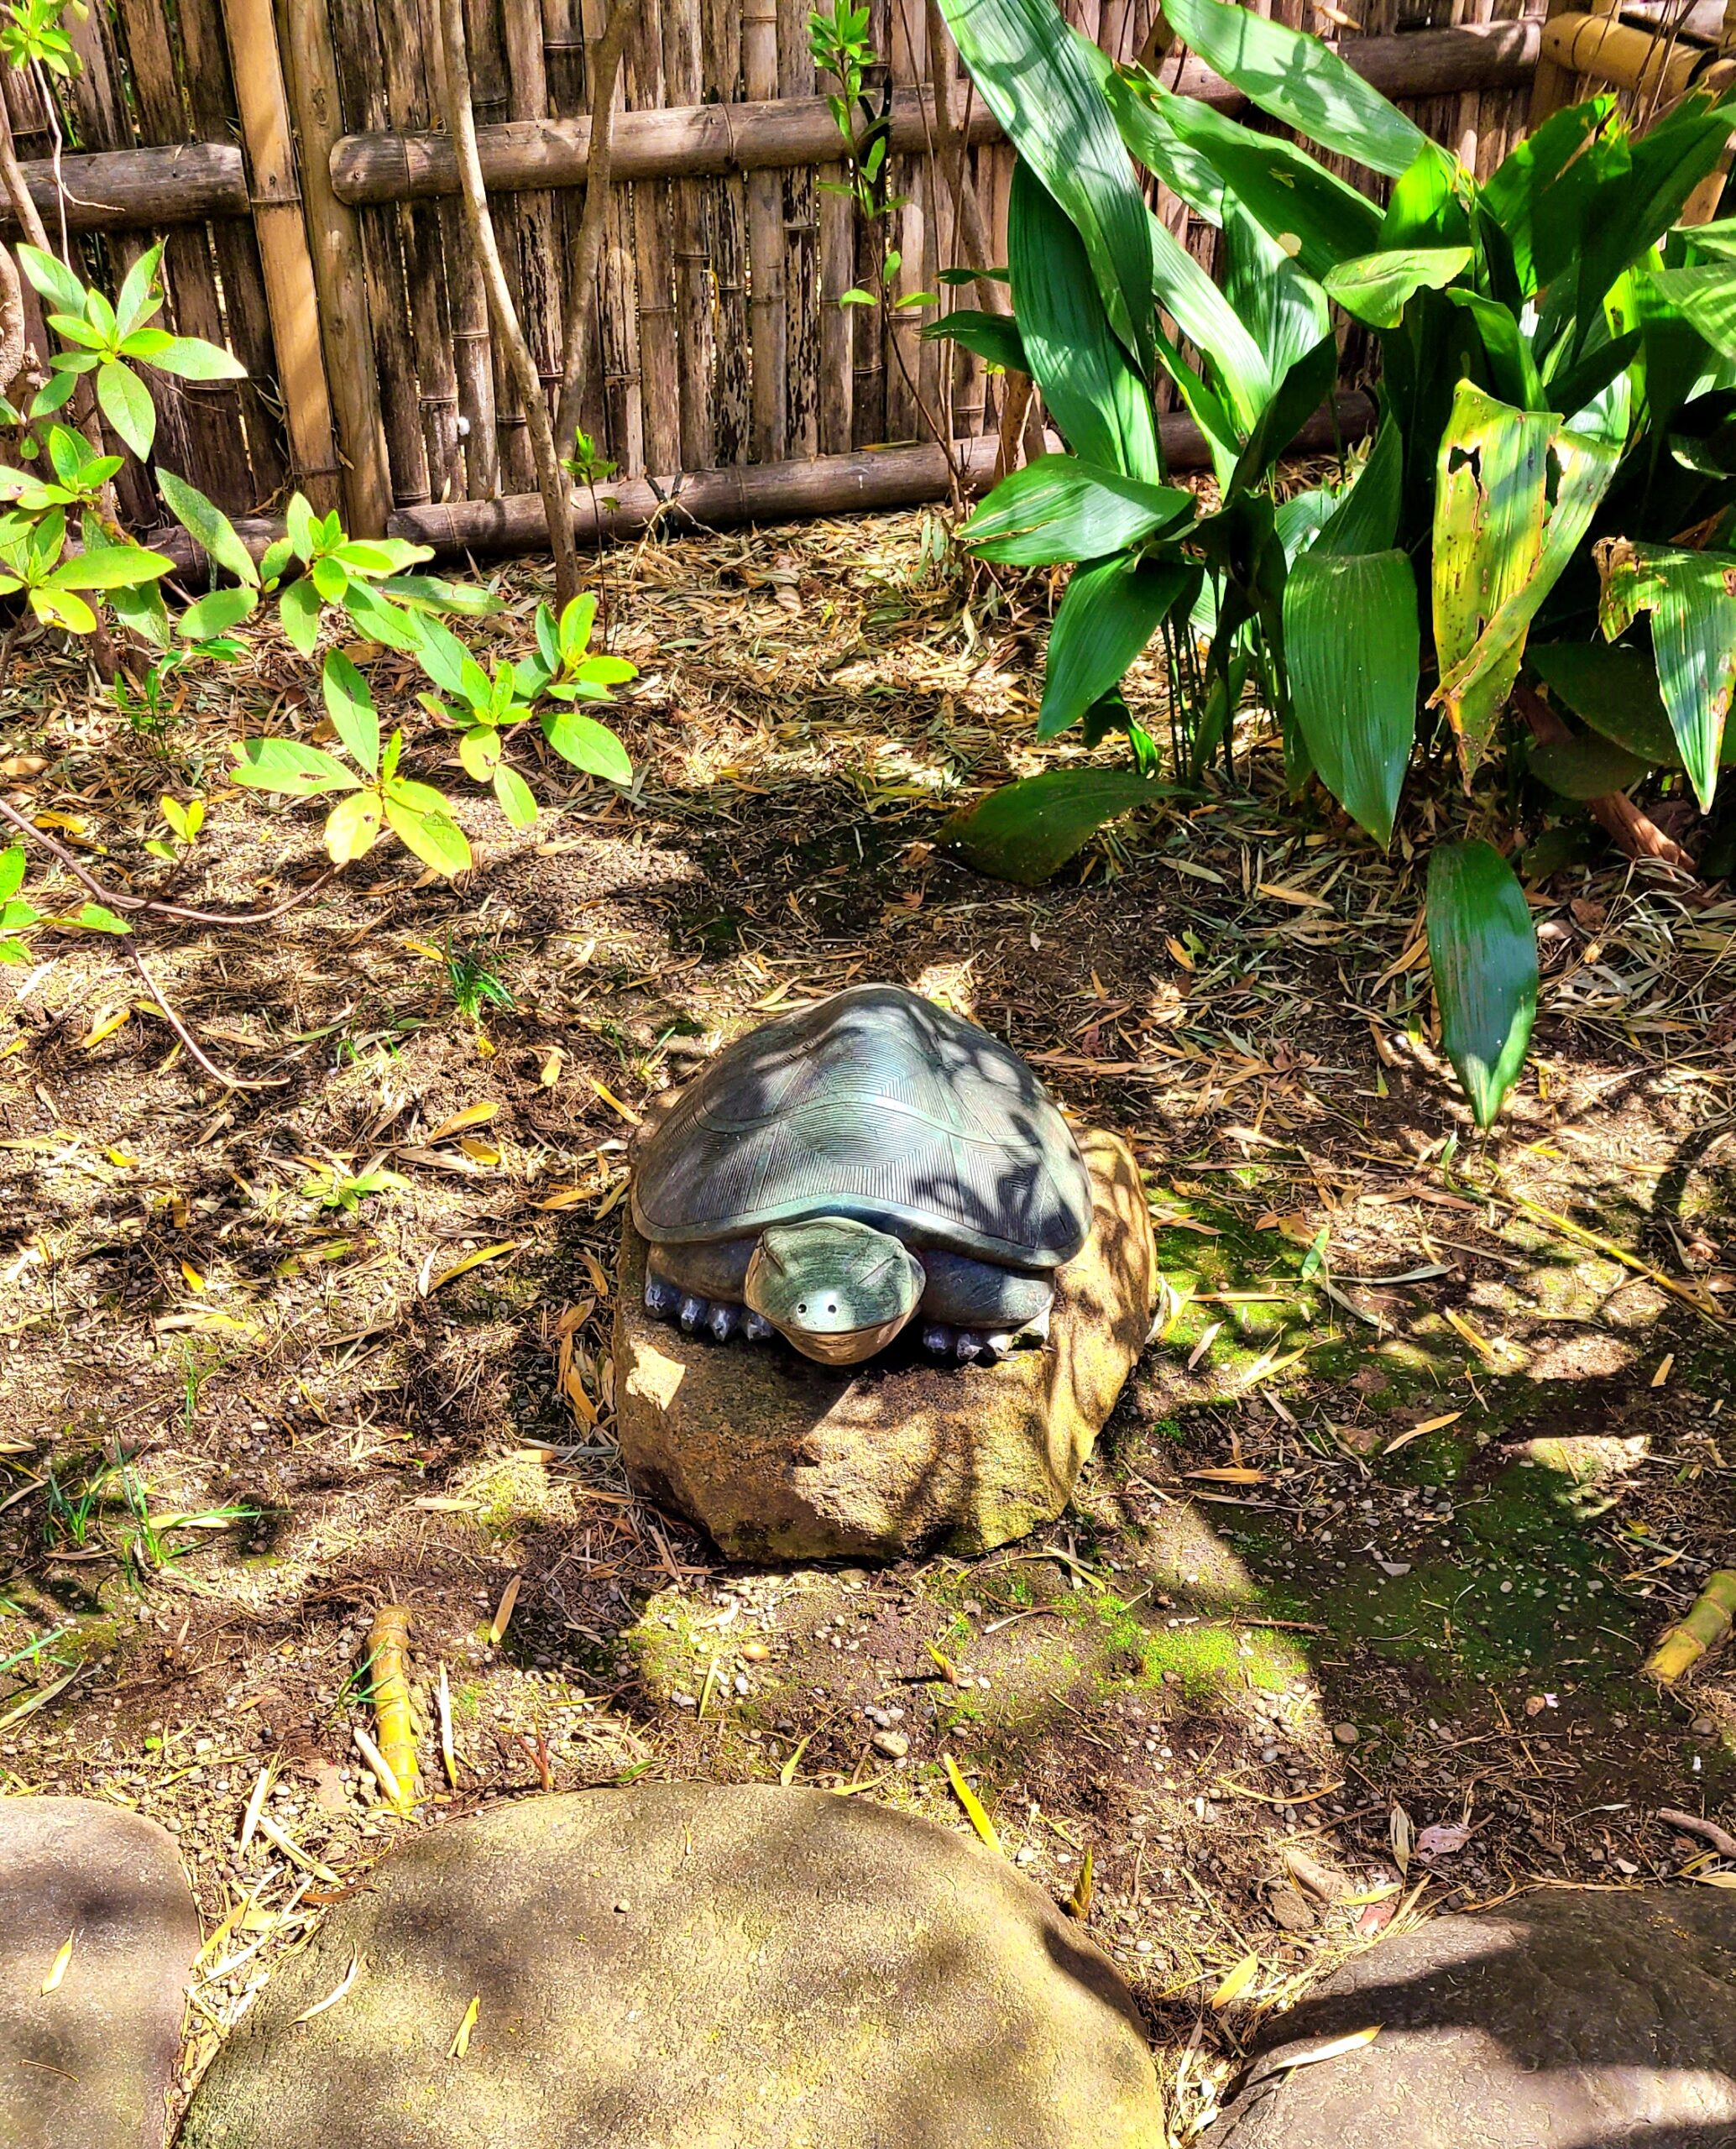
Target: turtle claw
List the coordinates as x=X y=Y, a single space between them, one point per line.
x=938 y=1339
x=755 y=1326
x=690 y=1313
x=996 y=1346
x=660 y=1298
x=724 y=1320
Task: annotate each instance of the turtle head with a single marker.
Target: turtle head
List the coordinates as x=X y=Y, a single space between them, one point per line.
x=838 y=1290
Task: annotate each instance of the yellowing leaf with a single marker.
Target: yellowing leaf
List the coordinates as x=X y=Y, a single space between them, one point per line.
x=563 y=1197
x=972 y=1804
x=472 y=1261
x=461 y=2042
x=483 y=1152
x=1236 y=1981
x=121 y=1161
x=1299 y=897
x=104 y=1026
x=503 y=1611
x=1226 y=1476
x=51 y=1983
x=786 y=1774
x=421 y=948
x=1416 y=1432
x=614 y=1104
x=194 y=1281
x=336 y=1992
x=552 y=1067
x=477 y=1114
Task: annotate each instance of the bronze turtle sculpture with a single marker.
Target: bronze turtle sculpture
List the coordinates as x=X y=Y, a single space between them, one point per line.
x=846 y=1167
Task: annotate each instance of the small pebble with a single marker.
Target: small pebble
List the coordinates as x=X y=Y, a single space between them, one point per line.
x=892 y=1744
x=1346 y=1734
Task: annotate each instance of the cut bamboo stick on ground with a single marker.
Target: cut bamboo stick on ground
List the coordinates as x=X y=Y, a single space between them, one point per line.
x=389 y=1670
x=1706 y=1623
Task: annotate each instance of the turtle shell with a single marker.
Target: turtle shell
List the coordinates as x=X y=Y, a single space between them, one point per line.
x=878 y=1106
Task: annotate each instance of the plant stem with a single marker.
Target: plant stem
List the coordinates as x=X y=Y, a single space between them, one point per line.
x=186 y=1036
x=603 y=65
x=479 y=223
x=150 y=905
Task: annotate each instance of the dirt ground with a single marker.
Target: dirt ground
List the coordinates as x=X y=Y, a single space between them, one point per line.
x=1345 y=1624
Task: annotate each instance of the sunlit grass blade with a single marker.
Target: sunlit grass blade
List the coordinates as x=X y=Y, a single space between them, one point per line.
x=1484 y=953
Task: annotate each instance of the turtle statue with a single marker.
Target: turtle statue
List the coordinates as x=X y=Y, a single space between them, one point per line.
x=850 y=1165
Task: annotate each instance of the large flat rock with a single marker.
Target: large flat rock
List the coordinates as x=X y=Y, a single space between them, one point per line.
x=690 y=1967
x=779 y=1458
x=90 y=2065
x=1587 y=2018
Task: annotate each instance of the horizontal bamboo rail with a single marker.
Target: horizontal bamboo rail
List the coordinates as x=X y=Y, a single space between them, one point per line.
x=867 y=481
x=123 y=190
x=1609 y=50
x=708 y=140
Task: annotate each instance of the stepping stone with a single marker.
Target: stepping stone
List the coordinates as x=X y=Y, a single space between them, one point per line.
x=89 y=2064
x=779 y=1458
x=679 y=1966
x=1584 y=2020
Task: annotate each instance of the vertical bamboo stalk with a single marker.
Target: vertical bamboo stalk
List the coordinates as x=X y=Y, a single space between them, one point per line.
x=909 y=229
x=210 y=108
x=694 y=341
x=659 y=376
x=290 y=273
x=837 y=331
x=488 y=75
x=768 y=324
x=868 y=393
x=618 y=295
x=801 y=224
x=411 y=81
x=722 y=58
x=540 y=261
x=563 y=46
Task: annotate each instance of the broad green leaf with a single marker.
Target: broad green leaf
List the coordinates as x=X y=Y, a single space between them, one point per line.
x=1153 y=142
x=1298 y=203
x=513 y=796
x=479 y=752
x=1097 y=396
x=1500 y=546
x=1046 y=92
x=110 y=567
x=1308 y=384
x=1635 y=208
x=1540 y=193
x=1111 y=610
x=577 y=621
x=1300 y=82
x=1586 y=767
x=12 y=871
x=1614 y=688
x=286 y=766
x=419 y=816
x=1705 y=296
x=587 y=744
x=1691 y=597
x=137 y=299
x=330 y=577
x=98 y=917
x=992 y=336
x=379 y=620
x=1350 y=641
x=1508 y=353
x=434 y=593
x=125 y=401
x=380 y=556
x=206 y=524
x=1427 y=204
x=13 y=916
x=353 y=827
x=441 y=654
x=303 y=526
x=1365 y=519
x=1376 y=287
x=1205 y=316
x=62 y=608
x=1026 y=831
x=1060 y=508
x=52 y=277
x=1284 y=309
x=1484 y=953
x=299 y=609
x=350 y=707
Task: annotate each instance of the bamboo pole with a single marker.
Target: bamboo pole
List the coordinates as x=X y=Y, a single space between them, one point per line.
x=290 y=291
x=138 y=190
x=695 y=345
x=764 y=133
x=314 y=283
x=722 y=60
x=660 y=378
x=863 y=482
x=768 y=324
x=551 y=480
x=409 y=98
x=541 y=286
x=563 y=51
x=801 y=232
x=1609 y=50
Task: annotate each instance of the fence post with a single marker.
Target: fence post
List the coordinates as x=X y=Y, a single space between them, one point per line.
x=329 y=246
x=289 y=295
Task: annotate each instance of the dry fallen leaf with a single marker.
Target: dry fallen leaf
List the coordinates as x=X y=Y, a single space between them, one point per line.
x=1236 y=1981
x=1416 y=1432
x=461 y=2043
x=477 y=1115
x=971 y=1803
x=471 y=1261
x=51 y=1983
x=336 y=1994
x=503 y=1612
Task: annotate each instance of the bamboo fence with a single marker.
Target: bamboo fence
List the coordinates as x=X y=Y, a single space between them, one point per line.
x=290 y=155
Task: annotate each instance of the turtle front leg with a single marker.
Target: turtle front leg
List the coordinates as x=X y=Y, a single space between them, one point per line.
x=698 y=1287
x=976 y=1312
